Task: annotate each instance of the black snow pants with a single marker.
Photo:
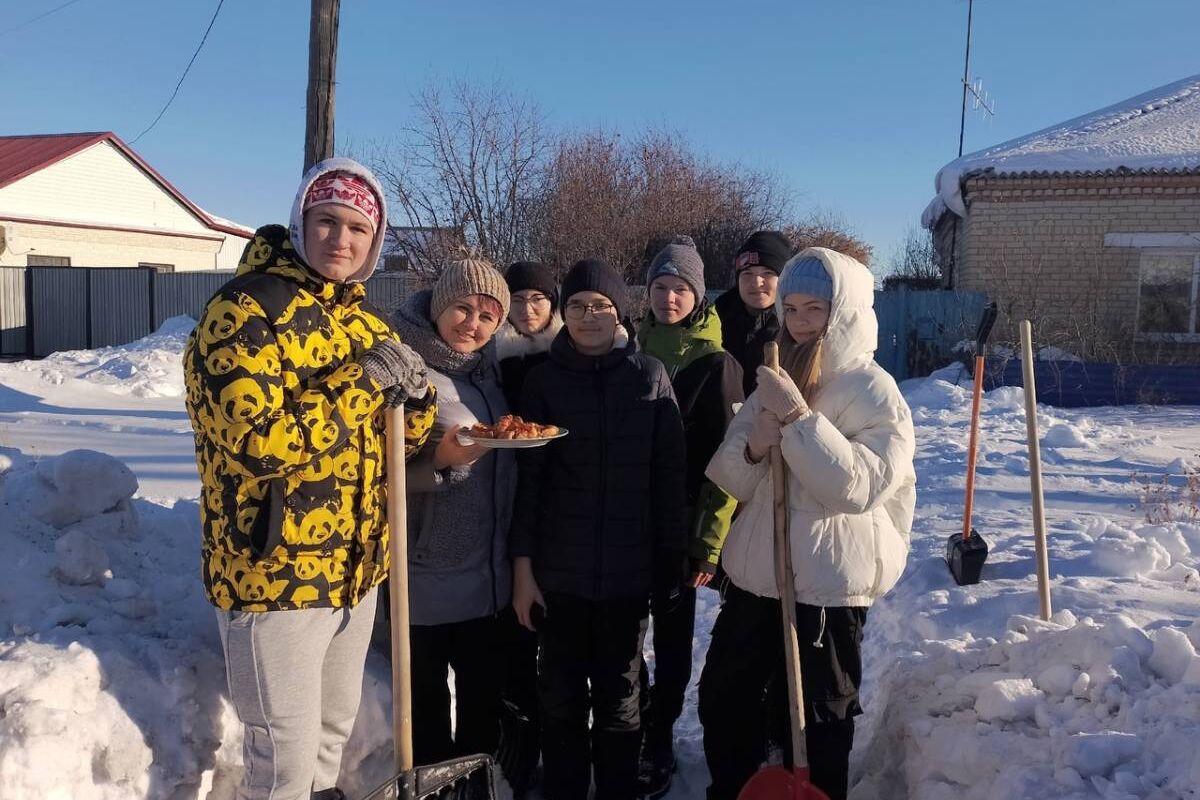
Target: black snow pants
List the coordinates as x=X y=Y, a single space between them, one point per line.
x=674 y=627
x=520 y=720
x=745 y=654
x=469 y=648
x=589 y=658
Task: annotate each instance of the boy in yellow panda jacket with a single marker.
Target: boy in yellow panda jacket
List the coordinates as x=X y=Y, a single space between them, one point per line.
x=287 y=374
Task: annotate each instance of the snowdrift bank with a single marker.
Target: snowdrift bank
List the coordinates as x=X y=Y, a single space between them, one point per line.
x=112 y=684
x=147 y=368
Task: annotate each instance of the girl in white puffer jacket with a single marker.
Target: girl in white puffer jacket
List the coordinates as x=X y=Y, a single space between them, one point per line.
x=846 y=436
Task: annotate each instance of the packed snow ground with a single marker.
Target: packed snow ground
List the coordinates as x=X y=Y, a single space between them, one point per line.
x=112 y=681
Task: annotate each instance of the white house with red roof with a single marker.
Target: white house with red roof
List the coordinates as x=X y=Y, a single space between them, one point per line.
x=88 y=200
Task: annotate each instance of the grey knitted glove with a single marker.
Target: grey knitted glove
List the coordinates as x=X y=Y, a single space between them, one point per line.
x=398 y=369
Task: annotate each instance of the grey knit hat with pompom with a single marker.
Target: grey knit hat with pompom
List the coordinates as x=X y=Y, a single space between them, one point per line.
x=679 y=259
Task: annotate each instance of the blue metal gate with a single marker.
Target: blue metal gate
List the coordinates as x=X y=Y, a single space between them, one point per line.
x=919 y=329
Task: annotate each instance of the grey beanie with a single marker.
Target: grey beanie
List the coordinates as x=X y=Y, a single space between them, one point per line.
x=679 y=259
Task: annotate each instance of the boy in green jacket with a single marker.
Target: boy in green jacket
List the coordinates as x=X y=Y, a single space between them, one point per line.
x=684 y=332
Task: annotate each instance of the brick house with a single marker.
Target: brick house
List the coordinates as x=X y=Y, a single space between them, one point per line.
x=1090 y=228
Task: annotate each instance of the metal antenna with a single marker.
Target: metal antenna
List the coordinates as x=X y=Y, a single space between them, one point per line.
x=981 y=99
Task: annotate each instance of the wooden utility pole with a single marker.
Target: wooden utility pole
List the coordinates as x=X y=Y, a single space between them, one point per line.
x=322 y=64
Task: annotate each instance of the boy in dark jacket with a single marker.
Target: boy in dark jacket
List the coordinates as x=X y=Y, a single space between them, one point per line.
x=748 y=319
x=598 y=527
x=682 y=330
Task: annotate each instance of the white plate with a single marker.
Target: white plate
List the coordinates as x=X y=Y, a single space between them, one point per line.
x=509 y=444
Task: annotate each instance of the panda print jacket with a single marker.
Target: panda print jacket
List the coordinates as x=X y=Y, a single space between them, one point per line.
x=290 y=436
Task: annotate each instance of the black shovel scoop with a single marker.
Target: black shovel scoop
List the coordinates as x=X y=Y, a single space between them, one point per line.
x=966 y=551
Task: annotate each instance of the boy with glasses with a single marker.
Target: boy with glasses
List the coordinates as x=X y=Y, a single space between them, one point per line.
x=522 y=343
x=524 y=340
x=598 y=527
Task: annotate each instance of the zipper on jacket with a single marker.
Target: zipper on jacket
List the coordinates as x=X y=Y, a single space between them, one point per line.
x=598 y=573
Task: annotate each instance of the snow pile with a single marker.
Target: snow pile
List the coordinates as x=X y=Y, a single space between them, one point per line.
x=1070 y=708
x=52 y=699
x=148 y=367
x=1063 y=435
x=969 y=698
x=74 y=486
x=111 y=679
x=1156 y=130
x=935 y=394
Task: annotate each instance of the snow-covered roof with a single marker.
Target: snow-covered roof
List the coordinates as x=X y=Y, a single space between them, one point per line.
x=1158 y=131
x=229 y=225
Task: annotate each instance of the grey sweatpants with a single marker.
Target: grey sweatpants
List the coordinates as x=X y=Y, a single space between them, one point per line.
x=295 y=679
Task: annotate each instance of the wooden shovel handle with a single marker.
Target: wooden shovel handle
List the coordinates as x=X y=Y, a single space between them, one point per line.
x=397 y=518
x=1035 y=471
x=785 y=581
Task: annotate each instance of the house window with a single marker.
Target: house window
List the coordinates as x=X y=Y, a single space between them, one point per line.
x=157 y=267
x=47 y=261
x=1167 y=292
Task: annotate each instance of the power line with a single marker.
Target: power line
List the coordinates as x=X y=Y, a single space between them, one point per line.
x=18 y=27
x=199 y=47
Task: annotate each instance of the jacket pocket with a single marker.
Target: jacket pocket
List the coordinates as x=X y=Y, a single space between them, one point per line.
x=267 y=532
x=878 y=571
x=449 y=532
x=888 y=566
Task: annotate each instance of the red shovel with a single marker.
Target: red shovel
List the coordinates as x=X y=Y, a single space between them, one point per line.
x=777 y=782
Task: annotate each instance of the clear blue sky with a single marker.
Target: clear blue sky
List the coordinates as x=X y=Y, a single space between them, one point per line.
x=854 y=103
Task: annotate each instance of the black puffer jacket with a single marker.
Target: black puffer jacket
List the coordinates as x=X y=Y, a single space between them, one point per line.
x=744 y=334
x=597 y=508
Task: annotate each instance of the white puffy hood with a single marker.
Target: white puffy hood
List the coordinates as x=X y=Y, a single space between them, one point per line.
x=296 y=222
x=853 y=331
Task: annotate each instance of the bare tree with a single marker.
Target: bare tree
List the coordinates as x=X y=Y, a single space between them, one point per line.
x=622 y=199
x=823 y=228
x=589 y=206
x=914 y=263
x=467 y=174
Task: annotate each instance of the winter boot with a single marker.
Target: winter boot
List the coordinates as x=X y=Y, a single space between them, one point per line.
x=519 y=749
x=656 y=765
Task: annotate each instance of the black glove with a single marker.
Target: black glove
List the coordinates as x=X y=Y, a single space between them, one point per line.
x=669 y=577
x=398 y=369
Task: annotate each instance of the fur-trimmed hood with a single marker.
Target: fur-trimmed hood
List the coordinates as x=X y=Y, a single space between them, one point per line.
x=510 y=342
x=853 y=331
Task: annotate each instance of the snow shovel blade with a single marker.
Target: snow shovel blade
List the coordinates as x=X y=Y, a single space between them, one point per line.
x=966 y=557
x=469 y=778
x=781 y=783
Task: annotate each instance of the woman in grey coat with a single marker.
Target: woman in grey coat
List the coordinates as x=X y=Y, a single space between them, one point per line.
x=459 y=506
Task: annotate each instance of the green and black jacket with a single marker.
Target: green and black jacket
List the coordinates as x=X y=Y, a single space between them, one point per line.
x=707 y=383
